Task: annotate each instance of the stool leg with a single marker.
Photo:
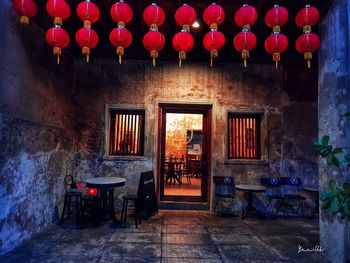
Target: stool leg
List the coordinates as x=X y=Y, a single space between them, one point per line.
x=82 y=211
x=126 y=210
x=64 y=208
x=77 y=208
x=135 y=212
x=122 y=215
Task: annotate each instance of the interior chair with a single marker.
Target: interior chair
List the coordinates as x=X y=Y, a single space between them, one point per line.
x=273 y=194
x=293 y=200
x=224 y=192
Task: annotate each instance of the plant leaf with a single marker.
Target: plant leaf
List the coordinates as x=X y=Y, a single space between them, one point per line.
x=326 y=205
x=325 y=140
x=335 y=161
x=337 y=150
x=346 y=187
x=326 y=195
x=347 y=114
x=332 y=186
x=335 y=205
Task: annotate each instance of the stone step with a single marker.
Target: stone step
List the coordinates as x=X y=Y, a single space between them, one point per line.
x=176 y=205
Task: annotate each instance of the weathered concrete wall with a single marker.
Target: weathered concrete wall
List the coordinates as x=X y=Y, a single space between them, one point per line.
x=288 y=125
x=36 y=130
x=334 y=100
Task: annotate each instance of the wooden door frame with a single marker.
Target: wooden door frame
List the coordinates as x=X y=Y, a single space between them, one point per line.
x=206 y=110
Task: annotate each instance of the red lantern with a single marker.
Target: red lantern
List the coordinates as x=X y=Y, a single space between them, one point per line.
x=214 y=15
x=153 y=41
x=185 y=16
x=121 y=13
x=276 y=17
x=26 y=9
x=246 y=16
x=307 y=17
x=154 y=16
x=244 y=42
x=306 y=44
x=213 y=41
x=59 y=10
x=57 y=38
x=276 y=44
x=182 y=42
x=88 y=12
x=121 y=38
x=87 y=38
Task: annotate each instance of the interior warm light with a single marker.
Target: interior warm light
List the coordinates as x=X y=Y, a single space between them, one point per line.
x=195 y=24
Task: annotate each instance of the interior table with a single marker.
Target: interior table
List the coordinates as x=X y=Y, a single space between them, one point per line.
x=105 y=192
x=315 y=192
x=174 y=171
x=249 y=189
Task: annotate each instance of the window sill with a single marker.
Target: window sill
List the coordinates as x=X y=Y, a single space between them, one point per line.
x=124 y=158
x=246 y=162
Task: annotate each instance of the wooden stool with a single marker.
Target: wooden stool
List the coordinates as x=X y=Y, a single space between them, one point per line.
x=68 y=203
x=134 y=206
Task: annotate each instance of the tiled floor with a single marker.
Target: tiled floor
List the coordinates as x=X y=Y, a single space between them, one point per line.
x=176 y=236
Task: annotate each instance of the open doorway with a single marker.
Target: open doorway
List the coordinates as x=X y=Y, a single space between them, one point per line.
x=184 y=152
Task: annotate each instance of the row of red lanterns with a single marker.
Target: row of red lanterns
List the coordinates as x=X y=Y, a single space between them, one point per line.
x=183 y=41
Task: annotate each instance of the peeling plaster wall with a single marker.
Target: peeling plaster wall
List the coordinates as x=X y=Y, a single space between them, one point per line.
x=334 y=101
x=36 y=130
x=288 y=124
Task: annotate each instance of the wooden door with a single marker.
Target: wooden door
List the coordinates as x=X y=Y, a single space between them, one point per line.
x=205 y=111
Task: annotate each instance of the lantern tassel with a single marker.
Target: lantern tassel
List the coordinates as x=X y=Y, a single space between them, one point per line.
x=24 y=20
x=57 y=51
x=308 y=57
x=154 y=55
x=120 y=53
x=245 y=55
x=182 y=56
x=276 y=57
x=86 y=51
x=211 y=61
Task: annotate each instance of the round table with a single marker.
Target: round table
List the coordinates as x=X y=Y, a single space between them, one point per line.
x=315 y=191
x=249 y=189
x=104 y=185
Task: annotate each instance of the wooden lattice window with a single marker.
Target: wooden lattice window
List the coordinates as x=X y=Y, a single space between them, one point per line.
x=127 y=132
x=244 y=136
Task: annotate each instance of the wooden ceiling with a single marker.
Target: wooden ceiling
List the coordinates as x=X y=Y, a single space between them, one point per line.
x=138 y=28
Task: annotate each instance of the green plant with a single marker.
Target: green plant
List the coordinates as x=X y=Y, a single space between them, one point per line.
x=335 y=199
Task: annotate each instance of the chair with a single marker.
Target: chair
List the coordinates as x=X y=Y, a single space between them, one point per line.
x=292 y=188
x=72 y=197
x=273 y=192
x=224 y=189
x=135 y=206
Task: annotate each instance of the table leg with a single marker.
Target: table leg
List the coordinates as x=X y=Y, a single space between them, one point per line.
x=111 y=205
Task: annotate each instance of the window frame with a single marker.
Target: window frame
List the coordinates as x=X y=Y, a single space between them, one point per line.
x=259 y=116
x=111 y=112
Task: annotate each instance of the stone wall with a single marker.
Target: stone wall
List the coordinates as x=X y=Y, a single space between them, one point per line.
x=36 y=130
x=289 y=125
x=334 y=101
